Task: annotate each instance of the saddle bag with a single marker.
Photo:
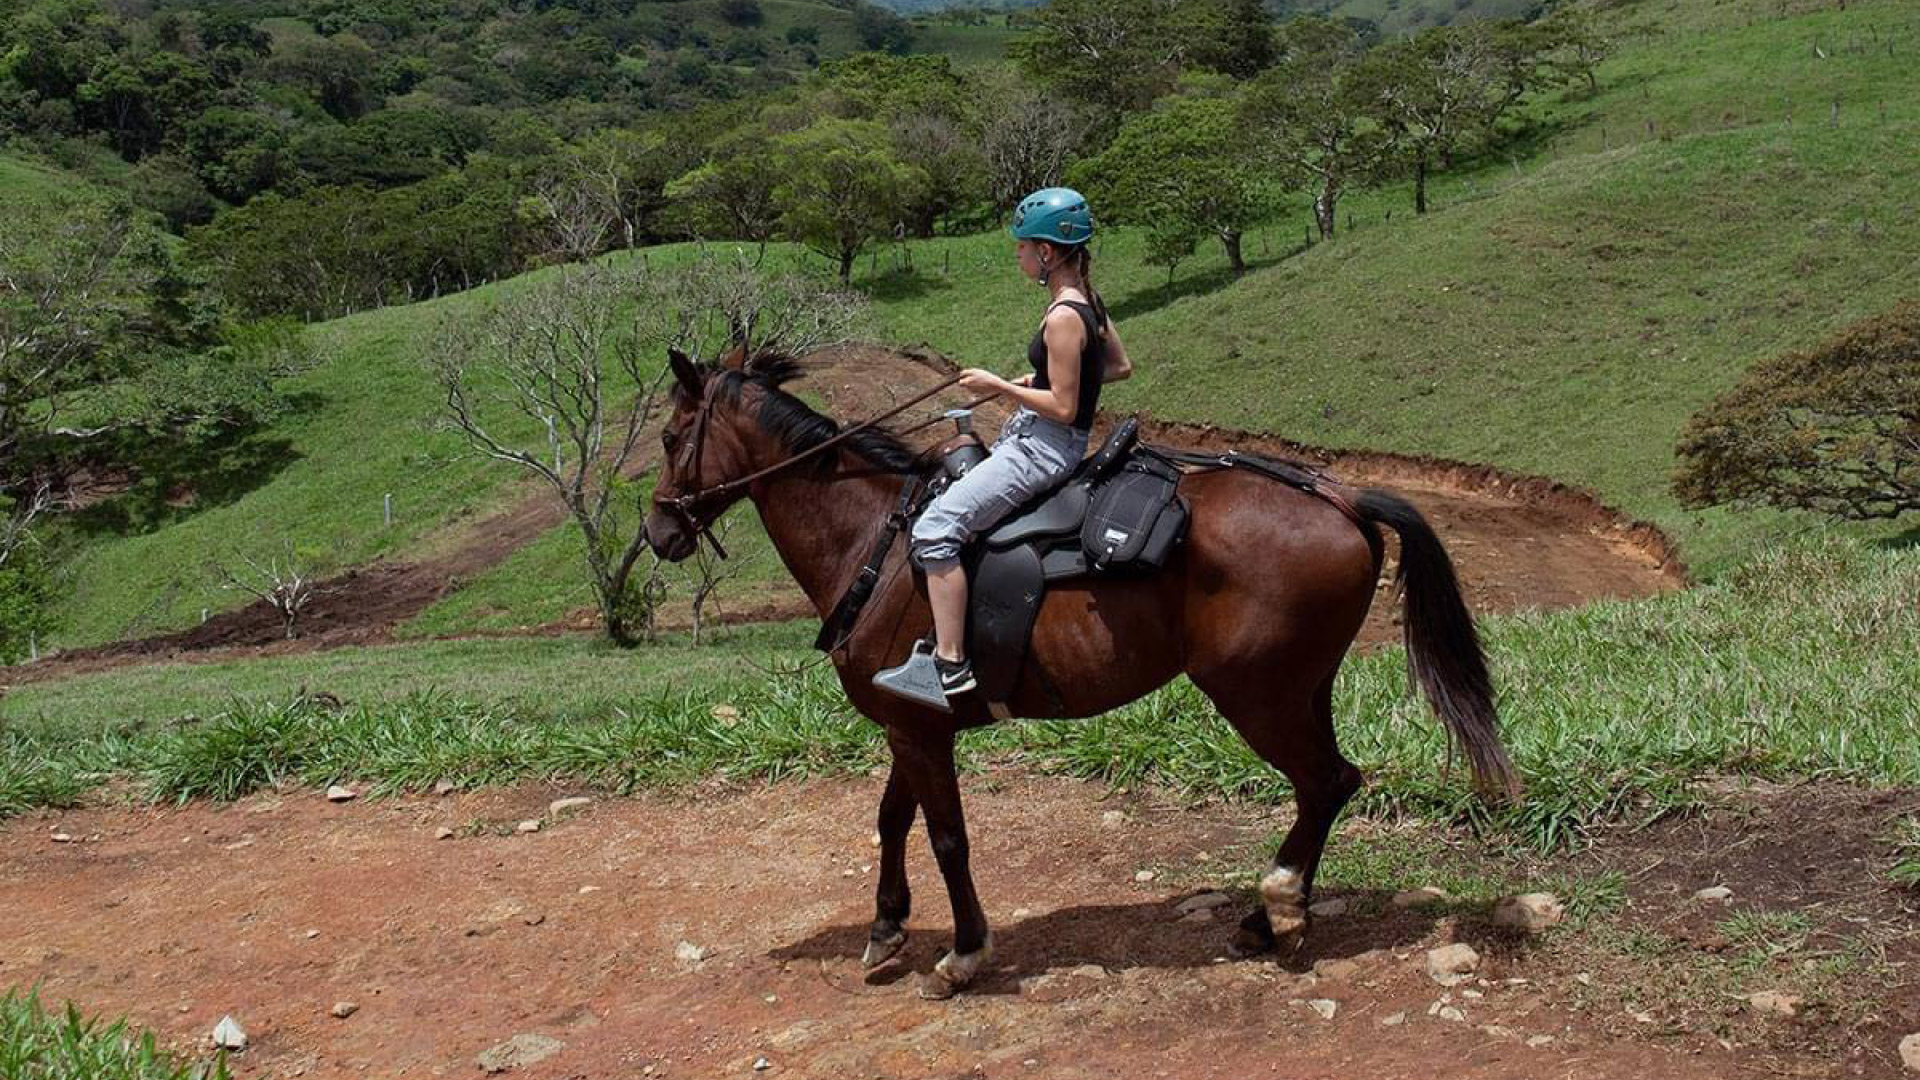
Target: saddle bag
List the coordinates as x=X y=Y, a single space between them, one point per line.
x=1136 y=519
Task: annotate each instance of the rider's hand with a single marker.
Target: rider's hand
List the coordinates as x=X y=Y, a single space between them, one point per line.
x=982 y=381
x=1024 y=380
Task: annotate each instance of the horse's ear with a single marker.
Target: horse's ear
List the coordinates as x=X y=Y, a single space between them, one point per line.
x=684 y=371
x=735 y=359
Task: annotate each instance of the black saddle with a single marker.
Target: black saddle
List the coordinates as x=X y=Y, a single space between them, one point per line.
x=1117 y=512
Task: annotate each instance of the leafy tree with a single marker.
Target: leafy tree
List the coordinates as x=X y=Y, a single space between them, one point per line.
x=1834 y=429
x=1119 y=55
x=842 y=187
x=882 y=30
x=1310 y=115
x=1183 y=169
x=107 y=345
x=26 y=595
x=731 y=195
x=932 y=110
x=742 y=12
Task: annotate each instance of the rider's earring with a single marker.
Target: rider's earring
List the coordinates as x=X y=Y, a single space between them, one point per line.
x=1044 y=271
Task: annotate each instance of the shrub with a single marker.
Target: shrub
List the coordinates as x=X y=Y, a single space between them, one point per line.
x=1834 y=429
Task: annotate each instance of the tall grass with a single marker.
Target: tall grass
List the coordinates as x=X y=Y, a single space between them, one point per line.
x=36 y=1044
x=1799 y=665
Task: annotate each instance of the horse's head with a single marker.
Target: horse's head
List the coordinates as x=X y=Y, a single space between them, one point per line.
x=705 y=447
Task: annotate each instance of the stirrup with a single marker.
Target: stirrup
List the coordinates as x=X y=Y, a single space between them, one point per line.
x=916 y=680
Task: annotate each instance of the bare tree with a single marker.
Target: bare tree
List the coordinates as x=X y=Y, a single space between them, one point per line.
x=575 y=213
x=706 y=573
x=565 y=376
x=1028 y=141
x=282 y=583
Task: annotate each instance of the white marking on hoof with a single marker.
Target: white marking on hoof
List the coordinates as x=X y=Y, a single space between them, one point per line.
x=1284 y=892
x=958 y=970
x=879 y=952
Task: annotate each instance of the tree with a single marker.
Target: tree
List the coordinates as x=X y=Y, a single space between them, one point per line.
x=1182 y=169
x=1431 y=91
x=1027 y=139
x=1834 y=429
x=564 y=377
x=842 y=187
x=1310 y=113
x=1575 y=45
x=1120 y=55
x=730 y=197
x=283 y=583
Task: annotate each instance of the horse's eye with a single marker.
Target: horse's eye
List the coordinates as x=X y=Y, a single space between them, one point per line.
x=669 y=440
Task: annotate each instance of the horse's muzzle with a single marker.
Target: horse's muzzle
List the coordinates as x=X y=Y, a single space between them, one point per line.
x=669 y=536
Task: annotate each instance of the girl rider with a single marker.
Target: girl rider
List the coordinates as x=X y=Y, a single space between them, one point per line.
x=1074 y=351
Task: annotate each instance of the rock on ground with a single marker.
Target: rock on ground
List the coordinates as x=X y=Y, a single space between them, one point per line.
x=559 y=807
x=1450 y=964
x=1910 y=1052
x=1206 y=901
x=337 y=793
x=1529 y=912
x=518 y=1051
x=229 y=1034
x=1713 y=893
x=343 y=1009
x=1777 y=1003
x=1420 y=897
x=1326 y=1007
x=531 y=825
x=688 y=953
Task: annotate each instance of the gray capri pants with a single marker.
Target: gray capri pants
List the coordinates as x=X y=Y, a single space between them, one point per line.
x=1031 y=454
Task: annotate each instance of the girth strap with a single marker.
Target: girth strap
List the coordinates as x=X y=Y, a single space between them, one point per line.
x=837 y=629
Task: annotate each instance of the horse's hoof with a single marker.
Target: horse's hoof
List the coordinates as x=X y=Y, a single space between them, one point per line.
x=955 y=972
x=881 y=950
x=1283 y=892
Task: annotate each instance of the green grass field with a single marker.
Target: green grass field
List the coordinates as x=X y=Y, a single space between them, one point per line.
x=1561 y=314
x=1796 y=665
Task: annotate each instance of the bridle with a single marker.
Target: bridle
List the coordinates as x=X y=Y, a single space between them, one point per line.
x=682 y=506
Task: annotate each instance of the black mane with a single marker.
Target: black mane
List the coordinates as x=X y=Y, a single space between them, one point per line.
x=798 y=427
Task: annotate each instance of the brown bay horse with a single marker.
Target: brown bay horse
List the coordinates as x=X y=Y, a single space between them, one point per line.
x=1258 y=608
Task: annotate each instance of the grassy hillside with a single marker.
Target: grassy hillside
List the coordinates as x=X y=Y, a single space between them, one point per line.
x=1562 y=314
x=1396 y=17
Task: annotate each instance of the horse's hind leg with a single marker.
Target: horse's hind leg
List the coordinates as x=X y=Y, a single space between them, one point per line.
x=893 y=900
x=1296 y=736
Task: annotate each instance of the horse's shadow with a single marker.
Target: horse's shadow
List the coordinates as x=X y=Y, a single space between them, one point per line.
x=1122 y=937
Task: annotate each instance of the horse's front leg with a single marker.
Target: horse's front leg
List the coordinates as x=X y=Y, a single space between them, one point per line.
x=893 y=899
x=928 y=761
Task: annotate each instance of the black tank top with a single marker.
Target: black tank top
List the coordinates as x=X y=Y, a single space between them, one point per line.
x=1093 y=359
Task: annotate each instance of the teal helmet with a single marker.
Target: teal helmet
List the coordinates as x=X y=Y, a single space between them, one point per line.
x=1057 y=214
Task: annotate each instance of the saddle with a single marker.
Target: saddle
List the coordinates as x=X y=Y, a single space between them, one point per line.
x=1118 y=513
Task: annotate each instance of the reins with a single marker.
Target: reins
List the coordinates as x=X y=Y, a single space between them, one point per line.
x=683 y=504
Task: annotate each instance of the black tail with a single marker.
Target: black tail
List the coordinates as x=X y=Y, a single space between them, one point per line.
x=1443 y=649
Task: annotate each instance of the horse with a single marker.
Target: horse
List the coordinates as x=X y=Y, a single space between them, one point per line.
x=1258 y=608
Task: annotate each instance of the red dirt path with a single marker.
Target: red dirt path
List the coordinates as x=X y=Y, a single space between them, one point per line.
x=273 y=909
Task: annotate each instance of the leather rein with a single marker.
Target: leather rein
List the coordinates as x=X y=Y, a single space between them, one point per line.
x=682 y=505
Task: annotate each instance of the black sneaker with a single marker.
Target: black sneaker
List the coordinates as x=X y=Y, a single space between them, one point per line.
x=956 y=676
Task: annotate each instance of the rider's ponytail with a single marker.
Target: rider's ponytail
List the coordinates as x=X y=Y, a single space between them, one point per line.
x=1084 y=263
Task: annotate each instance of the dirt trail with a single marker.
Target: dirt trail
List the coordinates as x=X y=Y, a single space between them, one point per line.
x=274 y=909
x=1519 y=542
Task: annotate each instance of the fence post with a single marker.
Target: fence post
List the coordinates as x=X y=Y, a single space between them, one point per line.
x=33 y=647
x=387 y=509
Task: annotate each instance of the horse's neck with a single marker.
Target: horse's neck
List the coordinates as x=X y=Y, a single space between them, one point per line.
x=824 y=524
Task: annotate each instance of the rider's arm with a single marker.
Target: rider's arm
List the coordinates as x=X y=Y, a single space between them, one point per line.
x=1116 y=366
